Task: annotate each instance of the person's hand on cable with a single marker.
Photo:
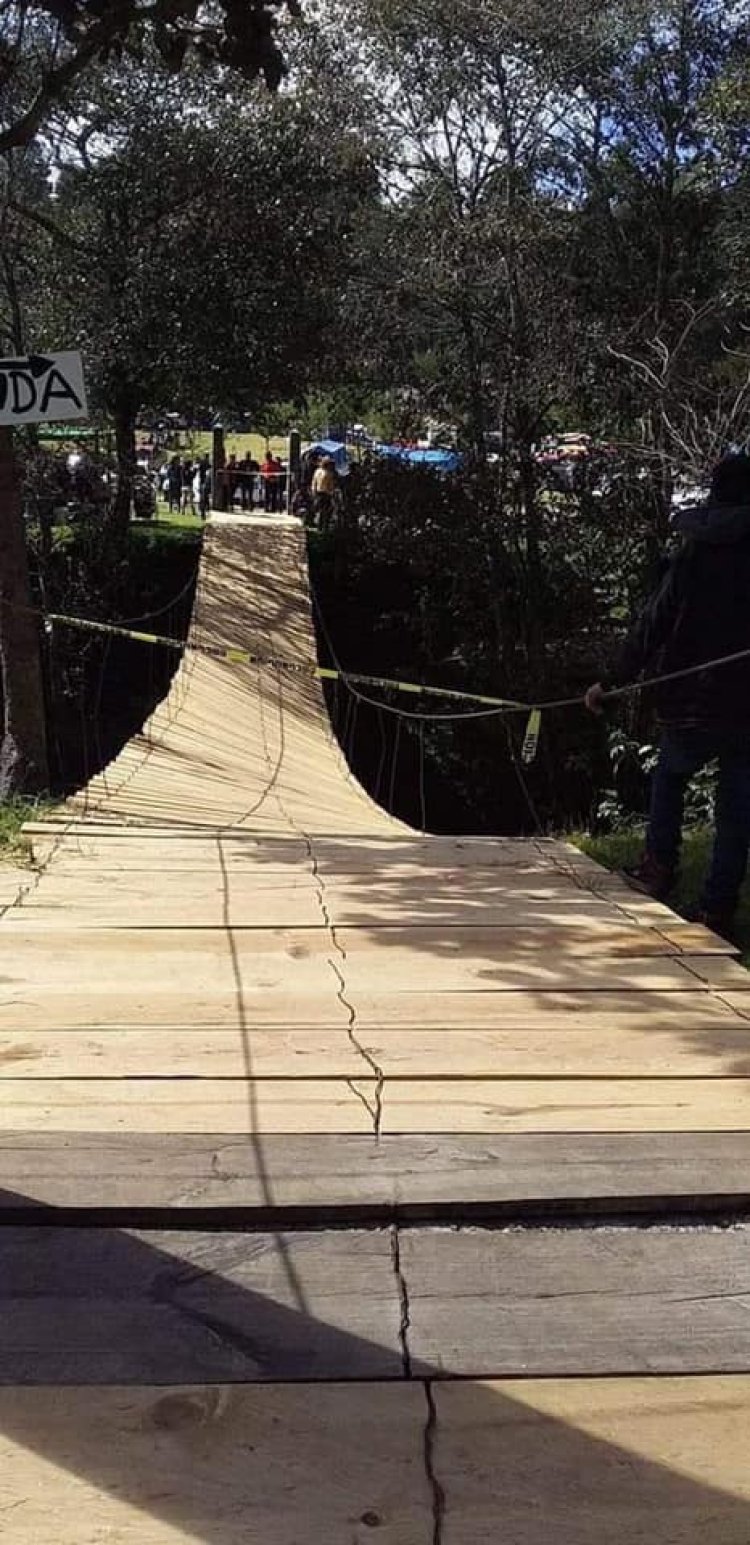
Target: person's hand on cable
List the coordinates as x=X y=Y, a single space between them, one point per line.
x=595 y=698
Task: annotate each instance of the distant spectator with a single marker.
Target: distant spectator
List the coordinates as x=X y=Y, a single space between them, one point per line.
x=174 y=484
x=272 y=474
x=247 y=469
x=202 y=486
x=231 y=478
x=324 y=488
x=280 y=486
x=187 y=499
x=253 y=468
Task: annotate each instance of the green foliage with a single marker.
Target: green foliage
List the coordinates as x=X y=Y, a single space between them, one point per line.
x=620 y=807
x=504 y=216
x=442 y=581
x=566 y=223
x=101 y=689
x=47 y=46
x=13 y=813
x=161 y=268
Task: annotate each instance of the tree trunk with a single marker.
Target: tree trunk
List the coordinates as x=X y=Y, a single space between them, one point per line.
x=218 y=463
x=477 y=415
x=23 y=754
x=126 y=467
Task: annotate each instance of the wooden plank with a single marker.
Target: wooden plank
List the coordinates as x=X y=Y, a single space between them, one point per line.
x=213 y=896
x=533 y=1011
x=261 y=1465
x=426 y=1105
x=161 y=961
x=189 y=1105
x=183 y=1170
x=645 y=1051
x=737 y=1001
x=596 y=936
x=234 y=1054
x=560 y=1301
x=196 y=1004
x=105 y=1306
x=14 y=881
x=693 y=939
x=258 y=897
x=567 y=1105
x=582 y=929
x=273 y=909
x=201 y=886
x=721 y=975
x=297 y=909
x=612 y=1052
x=578 y=1460
x=581 y=1461
x=201 y=973
x=140 y=847
x=545 y=969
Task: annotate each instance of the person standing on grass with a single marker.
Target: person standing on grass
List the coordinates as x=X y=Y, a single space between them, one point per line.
x=279 y=490
x=174 y=484
x=253 y=478
x=204 y=486
x=324 y=487
x=700 y=612
x=268 y=473
x=188 y=499
x=231 y=475
x=246 y=483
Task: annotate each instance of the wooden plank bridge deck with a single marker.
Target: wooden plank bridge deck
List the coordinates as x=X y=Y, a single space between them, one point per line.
x=355 y=1183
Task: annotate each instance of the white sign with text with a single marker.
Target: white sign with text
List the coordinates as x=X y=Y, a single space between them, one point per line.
x=42 y=389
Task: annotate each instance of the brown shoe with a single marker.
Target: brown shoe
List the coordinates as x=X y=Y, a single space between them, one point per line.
x=651 y=878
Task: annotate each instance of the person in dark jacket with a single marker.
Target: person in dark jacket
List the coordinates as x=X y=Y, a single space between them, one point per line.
x=700 y=612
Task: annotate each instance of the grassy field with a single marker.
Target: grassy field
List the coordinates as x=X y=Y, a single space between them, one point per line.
x=625 y=848
x=199 y=443
x=177 y=520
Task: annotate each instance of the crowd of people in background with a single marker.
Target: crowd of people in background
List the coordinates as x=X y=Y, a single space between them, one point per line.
x=251 y=483
x=188 y=486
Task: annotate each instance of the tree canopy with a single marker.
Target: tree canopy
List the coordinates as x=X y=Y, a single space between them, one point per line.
x=507 y=218
x=46 y=46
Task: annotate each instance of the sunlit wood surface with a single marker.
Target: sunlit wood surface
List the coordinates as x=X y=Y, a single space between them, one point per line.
x=295 y=1096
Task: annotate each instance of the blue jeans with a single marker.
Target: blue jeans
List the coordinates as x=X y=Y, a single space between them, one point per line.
x=682 y=754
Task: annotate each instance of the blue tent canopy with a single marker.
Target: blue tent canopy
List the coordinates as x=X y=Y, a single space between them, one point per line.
x=333 y=448
x=439 y=461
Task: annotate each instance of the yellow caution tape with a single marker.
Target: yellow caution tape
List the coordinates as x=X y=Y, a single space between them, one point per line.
x=235 y=656
x=110 y=627
x=531 y=738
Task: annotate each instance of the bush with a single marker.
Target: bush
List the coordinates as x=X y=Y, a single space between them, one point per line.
x=101 y=688
x=458 y=581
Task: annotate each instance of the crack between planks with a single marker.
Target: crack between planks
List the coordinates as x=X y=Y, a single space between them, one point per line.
x=403 y=1299
x=376 y=1109
x=429 y=1445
